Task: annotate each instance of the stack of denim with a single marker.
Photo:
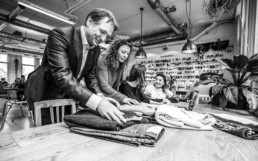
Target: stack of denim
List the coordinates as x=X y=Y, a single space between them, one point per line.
x=136 y=135
x=134 y=132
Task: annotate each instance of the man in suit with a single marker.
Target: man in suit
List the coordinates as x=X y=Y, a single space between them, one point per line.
x=70 y=55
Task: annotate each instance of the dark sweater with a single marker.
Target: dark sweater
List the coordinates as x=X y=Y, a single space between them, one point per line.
x=133 y=92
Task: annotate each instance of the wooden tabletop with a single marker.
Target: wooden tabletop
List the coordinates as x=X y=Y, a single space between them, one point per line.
x=55 y=142
x=14 y=89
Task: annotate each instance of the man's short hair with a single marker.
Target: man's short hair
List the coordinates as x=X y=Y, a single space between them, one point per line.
x=99 y=13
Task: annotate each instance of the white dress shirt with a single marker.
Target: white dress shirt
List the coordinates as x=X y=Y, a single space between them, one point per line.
x=94 y=100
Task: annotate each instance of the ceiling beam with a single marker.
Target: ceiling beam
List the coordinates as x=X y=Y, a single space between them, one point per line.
x=27 y=25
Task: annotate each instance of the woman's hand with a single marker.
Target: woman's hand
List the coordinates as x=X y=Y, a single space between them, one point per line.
x=130 y=101
x=169 y=95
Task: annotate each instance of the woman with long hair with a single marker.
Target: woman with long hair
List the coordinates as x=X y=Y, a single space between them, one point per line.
x=158 y=91
x=110 y=68
x=134 y=86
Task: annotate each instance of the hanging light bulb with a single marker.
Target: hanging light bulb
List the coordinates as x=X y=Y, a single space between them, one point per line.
x=189 y=47
x=141 y=54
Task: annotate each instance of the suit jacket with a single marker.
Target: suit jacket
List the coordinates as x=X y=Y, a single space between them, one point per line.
x=57 y=76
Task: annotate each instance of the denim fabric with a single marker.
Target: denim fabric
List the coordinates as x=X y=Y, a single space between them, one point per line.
x=90 y=118
x=238 y=130
x=138 y=134
x=245 y=128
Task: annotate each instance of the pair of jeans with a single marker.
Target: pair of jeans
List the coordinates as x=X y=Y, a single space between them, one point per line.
x=135 y=135
x=245 y=128
x=91 y=119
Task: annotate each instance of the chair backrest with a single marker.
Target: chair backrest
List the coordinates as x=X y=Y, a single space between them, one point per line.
x=57 y=104
x=193 y=100
x=3 y=112
x=1 y=88
x=12 y=95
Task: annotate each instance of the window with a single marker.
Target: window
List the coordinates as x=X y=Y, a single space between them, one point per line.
x=3 y=66
x=40 y=61
x=27 y=66
x=256 y=32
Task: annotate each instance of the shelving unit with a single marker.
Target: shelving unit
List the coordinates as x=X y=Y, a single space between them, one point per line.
x=186 y=70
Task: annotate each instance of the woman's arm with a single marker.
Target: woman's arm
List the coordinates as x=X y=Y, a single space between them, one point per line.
x=148 y=91
x=169 y=94
x=125 y=89
x=103 y=79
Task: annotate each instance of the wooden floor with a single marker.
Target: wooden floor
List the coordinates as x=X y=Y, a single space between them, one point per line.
x=20 y=122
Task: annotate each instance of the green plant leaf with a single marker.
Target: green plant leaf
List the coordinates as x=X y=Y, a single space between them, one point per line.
x=229 y=62
x=221 y=80
x=253 y=76
x=252 y=65
x=233 y=70
x=223 y=101
x=255 y=56
x=252 y=100
x=216 y=89
x=240 y=61
x=231 y=94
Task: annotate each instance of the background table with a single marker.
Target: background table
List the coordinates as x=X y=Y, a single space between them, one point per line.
x=55 y=142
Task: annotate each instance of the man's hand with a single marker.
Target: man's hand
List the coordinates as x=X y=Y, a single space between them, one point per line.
x=108 y=110
x=130 y=101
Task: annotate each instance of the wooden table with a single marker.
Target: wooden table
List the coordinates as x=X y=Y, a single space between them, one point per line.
x=55 y=142
x=14 y=89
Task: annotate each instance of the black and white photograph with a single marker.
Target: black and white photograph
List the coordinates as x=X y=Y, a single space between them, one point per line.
x=128 y=80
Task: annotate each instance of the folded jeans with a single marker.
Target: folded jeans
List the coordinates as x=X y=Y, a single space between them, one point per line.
x=91 y=119
x=138 y=134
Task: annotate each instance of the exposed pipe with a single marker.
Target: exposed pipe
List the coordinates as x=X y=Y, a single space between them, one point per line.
x=156 y=36
x=157 y=6
x=76 y=6
x=167 y=37
x=4 y=49
x=208 y=29
x=24 y=24
x=162 y=41
x=3 y=25
x=8 y=36
x=159 y=37
x=15 y=13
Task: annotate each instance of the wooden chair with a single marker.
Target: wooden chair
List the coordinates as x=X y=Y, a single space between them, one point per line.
x=3 y=112
x=57 y=103
x=12 y=100
x=3 y=93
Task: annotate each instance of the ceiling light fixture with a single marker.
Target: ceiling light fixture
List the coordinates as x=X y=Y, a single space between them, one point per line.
x=45 y=11
x=141 y=54
x=189 y=47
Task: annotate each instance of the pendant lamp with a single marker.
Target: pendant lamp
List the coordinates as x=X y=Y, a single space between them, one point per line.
x=141 y=54
x=189 y=47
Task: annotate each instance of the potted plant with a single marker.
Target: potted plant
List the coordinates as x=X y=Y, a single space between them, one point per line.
x=237 y=93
